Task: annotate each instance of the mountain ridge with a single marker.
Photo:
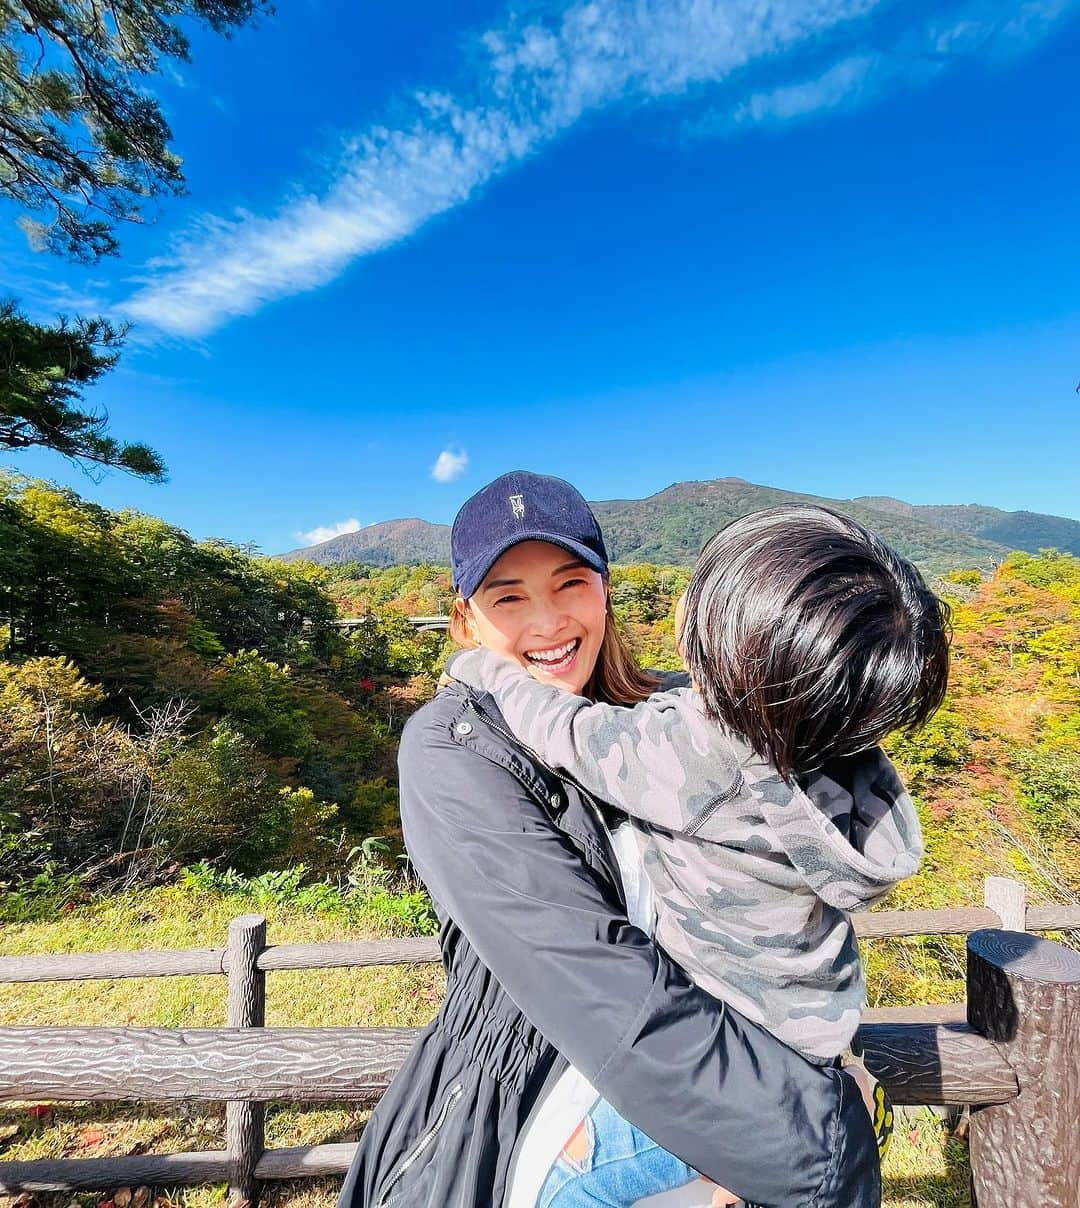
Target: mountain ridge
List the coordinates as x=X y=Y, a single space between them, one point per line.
x=672 y=524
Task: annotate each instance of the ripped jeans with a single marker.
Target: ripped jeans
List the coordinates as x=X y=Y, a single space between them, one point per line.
x=609 y=1162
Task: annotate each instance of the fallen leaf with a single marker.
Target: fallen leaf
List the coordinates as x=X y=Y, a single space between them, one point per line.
x=39 y=1111
x=90 y=1137
x=138 y=1200
x=122 y=1197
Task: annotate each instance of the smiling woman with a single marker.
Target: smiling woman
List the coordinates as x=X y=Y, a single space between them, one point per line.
x=532 y=579
x=551 y=990
x=544 y=609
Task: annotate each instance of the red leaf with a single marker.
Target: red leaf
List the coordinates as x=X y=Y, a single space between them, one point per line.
x=40 y=1110
x=90 y=1137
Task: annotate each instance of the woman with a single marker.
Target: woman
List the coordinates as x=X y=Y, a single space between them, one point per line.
x=543 y=965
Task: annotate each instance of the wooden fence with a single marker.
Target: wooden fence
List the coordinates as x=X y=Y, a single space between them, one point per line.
x=1013 y=1052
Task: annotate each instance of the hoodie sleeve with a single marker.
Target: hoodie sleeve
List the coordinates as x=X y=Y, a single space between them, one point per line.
x=662 y=761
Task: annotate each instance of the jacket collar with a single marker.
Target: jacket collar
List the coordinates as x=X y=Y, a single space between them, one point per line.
x=477 y=724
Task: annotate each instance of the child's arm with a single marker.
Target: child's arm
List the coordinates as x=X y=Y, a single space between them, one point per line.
x=661 y=761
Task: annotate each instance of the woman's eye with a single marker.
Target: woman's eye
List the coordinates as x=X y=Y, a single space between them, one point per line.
x=571 y=583
x=506 y=600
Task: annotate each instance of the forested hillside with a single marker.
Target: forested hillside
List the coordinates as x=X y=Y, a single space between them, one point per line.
x=164 y=701
x=1031 y=531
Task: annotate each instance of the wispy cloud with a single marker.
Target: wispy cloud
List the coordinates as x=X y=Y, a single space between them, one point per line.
x=537 y=76
x=326 y=532
x=450 y=464
x=840 y=85
x=993 y=31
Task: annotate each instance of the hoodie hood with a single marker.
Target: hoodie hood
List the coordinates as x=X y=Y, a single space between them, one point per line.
x=850 y=829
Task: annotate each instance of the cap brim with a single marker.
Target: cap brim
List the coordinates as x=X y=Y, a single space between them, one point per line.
x=477 y=572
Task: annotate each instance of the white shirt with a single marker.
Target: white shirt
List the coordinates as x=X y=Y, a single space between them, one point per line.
x=554 y=1119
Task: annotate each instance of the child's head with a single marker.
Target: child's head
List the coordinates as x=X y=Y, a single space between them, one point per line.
x=810 y=637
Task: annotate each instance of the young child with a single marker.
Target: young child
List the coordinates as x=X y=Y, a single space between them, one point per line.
x=761 y=807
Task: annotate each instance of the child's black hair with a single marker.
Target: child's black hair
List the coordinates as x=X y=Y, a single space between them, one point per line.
x=811 y=638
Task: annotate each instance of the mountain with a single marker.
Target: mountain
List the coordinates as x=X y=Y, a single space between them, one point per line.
x=1031 y=531
x=386 y=544
x=672 y=525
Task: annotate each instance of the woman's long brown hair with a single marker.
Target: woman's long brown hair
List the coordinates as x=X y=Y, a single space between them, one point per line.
x=616 y=680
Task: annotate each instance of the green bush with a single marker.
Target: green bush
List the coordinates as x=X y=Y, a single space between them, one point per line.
x=262 y=699
x=369 y=893
x=220 y=802
x=1049 y=784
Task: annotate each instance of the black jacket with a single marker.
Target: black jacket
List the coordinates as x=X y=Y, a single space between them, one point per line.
x=543 y=967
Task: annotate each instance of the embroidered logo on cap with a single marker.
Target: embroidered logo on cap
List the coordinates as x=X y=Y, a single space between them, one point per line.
x=517 y=506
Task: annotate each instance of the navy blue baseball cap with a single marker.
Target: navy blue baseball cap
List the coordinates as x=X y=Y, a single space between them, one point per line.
x=521 y=507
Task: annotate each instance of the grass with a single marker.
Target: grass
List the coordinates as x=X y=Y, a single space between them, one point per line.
x=925 y=1167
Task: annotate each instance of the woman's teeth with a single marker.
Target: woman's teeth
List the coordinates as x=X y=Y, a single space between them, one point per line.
x=556 y=659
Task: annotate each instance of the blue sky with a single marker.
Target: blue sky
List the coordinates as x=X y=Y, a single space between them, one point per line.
x=826 y=245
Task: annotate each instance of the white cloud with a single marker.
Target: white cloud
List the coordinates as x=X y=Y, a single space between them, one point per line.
x=991 y=29
x=449 y=465
x=538 y=76
x=325 y=532
x=839 y=85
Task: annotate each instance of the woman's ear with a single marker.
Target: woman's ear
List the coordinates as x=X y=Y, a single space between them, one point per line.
x=466 y=624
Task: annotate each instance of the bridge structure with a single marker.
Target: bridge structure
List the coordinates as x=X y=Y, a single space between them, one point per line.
x=420 y=624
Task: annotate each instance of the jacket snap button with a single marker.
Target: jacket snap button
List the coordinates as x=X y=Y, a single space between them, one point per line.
x=556 y=800
x=464 y=727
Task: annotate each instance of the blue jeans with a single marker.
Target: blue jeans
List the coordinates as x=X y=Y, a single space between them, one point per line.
x=614 y=1165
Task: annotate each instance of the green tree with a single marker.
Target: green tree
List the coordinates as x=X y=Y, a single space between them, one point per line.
x=83 y=147
x=44 y=370
x=82 y=143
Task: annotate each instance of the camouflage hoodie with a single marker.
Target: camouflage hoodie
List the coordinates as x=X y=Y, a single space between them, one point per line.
x=752 y=877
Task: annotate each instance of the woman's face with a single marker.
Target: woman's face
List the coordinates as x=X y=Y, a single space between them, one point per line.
x=542 y=607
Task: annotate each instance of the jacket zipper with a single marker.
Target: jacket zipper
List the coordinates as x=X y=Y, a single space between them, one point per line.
x=733 y=790
x=418 y=1149
x=511 y=738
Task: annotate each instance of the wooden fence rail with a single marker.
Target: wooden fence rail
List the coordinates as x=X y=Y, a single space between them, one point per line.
x=1014 y=1052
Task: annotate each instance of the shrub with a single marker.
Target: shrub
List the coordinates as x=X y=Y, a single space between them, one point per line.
x=262 y=699
x=219 y=801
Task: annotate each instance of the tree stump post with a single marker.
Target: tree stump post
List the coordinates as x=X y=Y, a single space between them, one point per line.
x=244 y=1134
x=1024 y=994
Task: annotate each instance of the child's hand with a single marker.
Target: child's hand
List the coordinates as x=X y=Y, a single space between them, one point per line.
x=865 y=1083
x=721 y=1197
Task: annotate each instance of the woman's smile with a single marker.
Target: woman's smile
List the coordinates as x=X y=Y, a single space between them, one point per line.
x=555 y=660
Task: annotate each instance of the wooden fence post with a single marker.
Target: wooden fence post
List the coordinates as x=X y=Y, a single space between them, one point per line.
x=244 y=1134
x=1024 y=994
x=1008 y=900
